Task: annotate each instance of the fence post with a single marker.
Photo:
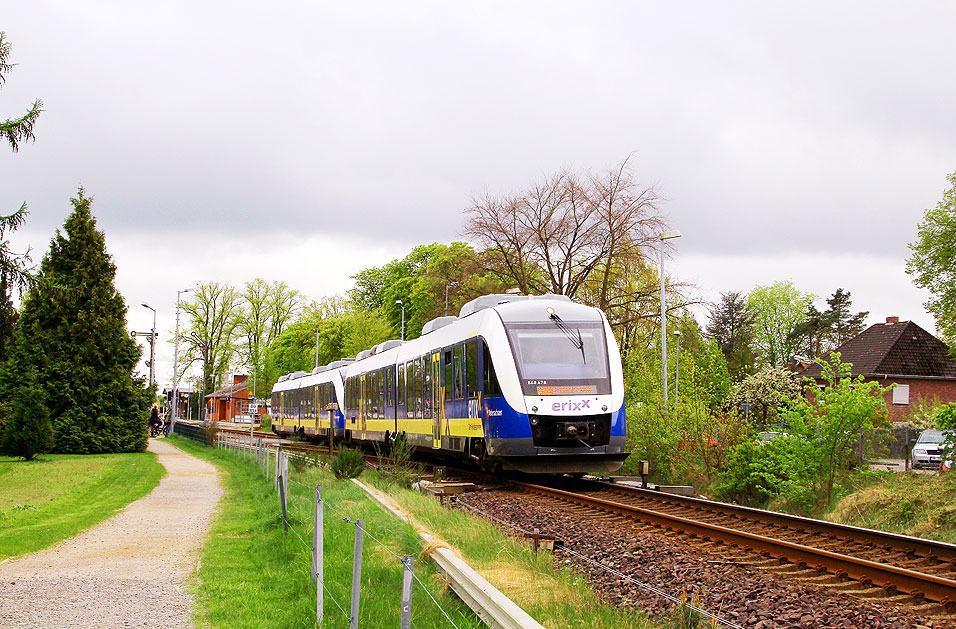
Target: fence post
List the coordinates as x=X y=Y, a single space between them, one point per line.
x=357 y=573
x=318 y=558
x=282 y=499
x=277 y=469
x=406 y=621
x=906 y=452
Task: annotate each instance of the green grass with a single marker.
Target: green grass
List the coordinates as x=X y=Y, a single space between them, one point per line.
x=56 y=496
x=922 y=505
x=254 y=575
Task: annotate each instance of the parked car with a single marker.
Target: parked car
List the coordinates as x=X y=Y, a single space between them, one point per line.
x=767 y=437
x=928 y=450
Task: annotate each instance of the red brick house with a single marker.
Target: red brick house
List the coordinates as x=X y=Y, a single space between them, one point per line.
x=228 y=402
x=901 y=353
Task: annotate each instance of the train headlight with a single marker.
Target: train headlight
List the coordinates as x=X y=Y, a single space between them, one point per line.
x=534 y=421
x=534 y=409
x=604 y=408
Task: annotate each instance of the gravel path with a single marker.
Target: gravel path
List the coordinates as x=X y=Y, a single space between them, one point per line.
x=128 y=571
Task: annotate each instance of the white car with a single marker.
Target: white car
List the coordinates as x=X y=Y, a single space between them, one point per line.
x=928 y=450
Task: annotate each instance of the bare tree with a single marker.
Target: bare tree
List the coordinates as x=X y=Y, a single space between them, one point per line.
x=554 y=235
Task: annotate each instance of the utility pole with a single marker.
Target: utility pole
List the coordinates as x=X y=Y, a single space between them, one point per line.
x=152 y=348
x=664 y=236
x=316 y=330
x=398 y=302
x=172 y=420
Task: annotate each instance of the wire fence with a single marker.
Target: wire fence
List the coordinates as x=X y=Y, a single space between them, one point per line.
x=273 y=462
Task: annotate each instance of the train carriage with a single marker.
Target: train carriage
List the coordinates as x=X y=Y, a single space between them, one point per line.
x=525 y=383
x=308 y=403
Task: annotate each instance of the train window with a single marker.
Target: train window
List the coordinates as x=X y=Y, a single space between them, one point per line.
x=427 y=385
x=459 y=372
x=390 y=387
x=400 y=391
x=447 y=376
x=492 y=388
x=411 y=382
x=471 y=369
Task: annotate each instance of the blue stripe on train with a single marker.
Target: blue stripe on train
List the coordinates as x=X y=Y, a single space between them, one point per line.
x=503 y=422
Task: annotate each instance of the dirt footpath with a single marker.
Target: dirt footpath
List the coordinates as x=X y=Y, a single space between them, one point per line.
x=128 y=571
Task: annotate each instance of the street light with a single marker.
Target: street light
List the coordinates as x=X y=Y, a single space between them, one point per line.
x=398 y=302
x=172 y=421
x=316 y=330
x=664 y=236
x=152 y=348
x=447 y=286
x=677 y=366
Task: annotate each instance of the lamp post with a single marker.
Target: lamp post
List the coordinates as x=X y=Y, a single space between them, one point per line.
x=398 y=302
x=172 y=420
x=664 y=236
x=152 y=348
x=447 y=286
x=677 y=366
x=316 y=330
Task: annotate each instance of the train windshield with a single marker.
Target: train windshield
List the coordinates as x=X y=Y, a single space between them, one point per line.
x=561 y=357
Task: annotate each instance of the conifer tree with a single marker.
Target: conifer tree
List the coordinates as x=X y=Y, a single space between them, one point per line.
x=72 y=335
x=28 y=431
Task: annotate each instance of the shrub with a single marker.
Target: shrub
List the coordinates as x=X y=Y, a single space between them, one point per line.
x=946 y=416
x=397 y=466
x=27 y=430
x=266 y=422
x=348 y=463
x=209 y=432
x=757 y=473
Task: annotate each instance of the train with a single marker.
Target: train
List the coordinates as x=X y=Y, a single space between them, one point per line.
x=527 y=383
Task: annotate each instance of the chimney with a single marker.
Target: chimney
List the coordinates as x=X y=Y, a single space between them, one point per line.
x=892 y=319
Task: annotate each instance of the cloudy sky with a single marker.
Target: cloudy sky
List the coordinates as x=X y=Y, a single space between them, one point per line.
x=306 y=141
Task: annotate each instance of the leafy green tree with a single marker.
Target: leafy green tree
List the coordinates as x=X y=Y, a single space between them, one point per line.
x=731 y=326
x=766 y=391
x=14 y=266
x=833 y=416
x=263 y=312
x=340 y=336
x=933 y=263
x=823 y=332
x=209 y=333
x=421 y=281
x=778 y=309
x=72 y=336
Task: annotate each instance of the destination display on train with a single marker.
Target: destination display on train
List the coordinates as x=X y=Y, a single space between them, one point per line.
x=566 y=389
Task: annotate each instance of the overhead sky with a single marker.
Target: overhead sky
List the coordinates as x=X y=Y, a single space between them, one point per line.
x=305 y=141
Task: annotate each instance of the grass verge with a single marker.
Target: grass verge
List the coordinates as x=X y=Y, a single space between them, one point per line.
x=922 y=505
x=254 y=575
x=56 y=496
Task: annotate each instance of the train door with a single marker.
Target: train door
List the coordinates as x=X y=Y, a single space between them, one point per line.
x=364 y=386
x=438 y=406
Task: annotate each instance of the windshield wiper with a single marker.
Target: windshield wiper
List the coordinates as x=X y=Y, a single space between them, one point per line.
x=575 y=337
